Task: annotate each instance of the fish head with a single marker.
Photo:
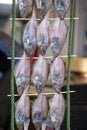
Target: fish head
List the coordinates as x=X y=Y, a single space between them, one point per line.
x=43 y=44
x=25 y=7
x=60 y=6
x=37 y=119
x=39 y=82
x=55 y=118
x=41 y=4
x=20 y=82
x=28 y=45
x=55 y=44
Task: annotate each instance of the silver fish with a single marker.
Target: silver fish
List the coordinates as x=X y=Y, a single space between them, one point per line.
x=57 y=110
x=57 y=73
x=29 y=35
x=39 y=111
x=58 y=33
x=22 y=111
x=22 y=74
x=43 y=34
x=40 y=73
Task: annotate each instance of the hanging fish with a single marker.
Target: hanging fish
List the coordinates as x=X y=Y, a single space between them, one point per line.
x=25 y=7
x=42 y=7
x=57 y=110
x=39 y=111
x=22 y=74
x=40 y=73
x=57 y=73
x=58 y=33
x=62 y=7
x=22 y=111
x=29 y=35
x=42 y=34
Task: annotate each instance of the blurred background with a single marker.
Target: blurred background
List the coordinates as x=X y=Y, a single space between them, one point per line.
x=79 y=64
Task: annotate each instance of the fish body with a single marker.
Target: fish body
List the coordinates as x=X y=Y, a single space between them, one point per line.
x=39 y=110
x=58 y=33
x=62 y=6
x=43 y=34
x=22 y=74
x=25 y=7
x=40 y=73
x=57 y=73
x=22 y=111
x=29 y=35
x=57 y=110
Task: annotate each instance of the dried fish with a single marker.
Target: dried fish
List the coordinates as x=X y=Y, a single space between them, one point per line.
x=57 y=110
x=43 y=34
x=22 y=74
x=29 y=36
x=57 y=73
x=40 y=73
x=22 y=111
x=58 y=33
x=39 y=111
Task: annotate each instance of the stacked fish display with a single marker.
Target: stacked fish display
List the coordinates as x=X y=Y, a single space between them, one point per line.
x=47 y=114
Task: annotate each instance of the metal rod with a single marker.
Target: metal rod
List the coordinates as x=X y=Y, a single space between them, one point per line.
x=46 y=94
x=46 y=57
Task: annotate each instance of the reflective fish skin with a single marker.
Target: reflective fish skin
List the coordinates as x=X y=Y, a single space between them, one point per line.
x=22 y=111
x=57 y=110
x=29 y=36
x=25 y=7
x=57 y=73
x=22 y=74
x=62 y=7
x=58 y=33
x=42 y=7
x=40 y=73
x=43 y=34
x=39 y=110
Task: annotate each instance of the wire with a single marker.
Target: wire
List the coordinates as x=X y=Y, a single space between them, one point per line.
x=12 y=62
x=72 y=9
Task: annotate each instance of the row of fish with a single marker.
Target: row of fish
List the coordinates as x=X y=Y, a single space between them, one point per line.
x=39 y=74
x=42 y=6
x=44 y=115
x=44 y=34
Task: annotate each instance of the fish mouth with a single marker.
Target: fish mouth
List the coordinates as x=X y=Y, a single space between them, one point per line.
x=37 y=119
